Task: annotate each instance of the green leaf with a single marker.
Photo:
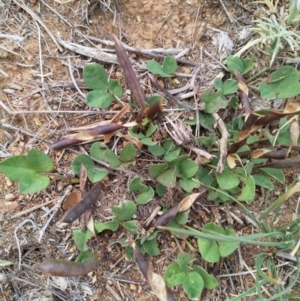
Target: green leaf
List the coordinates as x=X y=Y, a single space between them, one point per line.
x=188 y=168
x=81 y=238
x=145 y=197
x=150 y=247
x=225 y=247
x=171 y=155
x=156 y=98
x=15 y=167
x=210 y=282
x=182 y=217
x=4 y=263
x=183 y=260
x=239 y=64
x=213 y=101
x=97 y=150
x=213 y=227
x=148 y=141
x=39 y=161
x=95 y=76
x=82 y=256
x=167 y=178
x=156 y=68
x=169 y=145
x=284 y=83
x=101 y=152
x=156 y=169
x=218 y=83
x=130 y=226
x=275 y=173
x=97 y=173
x=128 y=153
x=33 y=182
x=115 y=87
x=136 y=185
x=228 y=179
x=207 y=141
x=248 y=191
x=208 y=249
x=204 y=176
x=206 y=120
x=230 y=86
x=85 y=160
x=112 y=225
x=161 y=189
x=189 y=184
x=266 y=91
x=173 y=275
x=99 y=99
x=156 y=150
x=169 y=65
x=125 y=210
x=151 y=129
x=193 y=284
x=263 y=181
x=129 y=251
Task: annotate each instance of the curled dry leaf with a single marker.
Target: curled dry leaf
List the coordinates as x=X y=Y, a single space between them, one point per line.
x=64 y=268
x=254 y=122
x=153 y=110
x=156 y=282
x=184 y=205
x=286 y=163
x=88 y=200
x=84 y=136
x=130 y=78
x=243 y=92
x=133 y=140
x=294 y=131
x=116 y=119
x=71 y=200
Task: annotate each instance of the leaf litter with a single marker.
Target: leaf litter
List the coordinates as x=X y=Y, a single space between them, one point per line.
x=62 y=88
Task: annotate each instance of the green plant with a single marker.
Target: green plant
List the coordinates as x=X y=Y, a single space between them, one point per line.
x=275 y=31
x=168 y=67
x=30 y=171
x=175 y=166
x=104 y=90
x=192 y=277
x=122 y=218
x=146 y=193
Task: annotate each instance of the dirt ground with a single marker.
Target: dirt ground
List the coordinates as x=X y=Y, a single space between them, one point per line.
x=40 y=102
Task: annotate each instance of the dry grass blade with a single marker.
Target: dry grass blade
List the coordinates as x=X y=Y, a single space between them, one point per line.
x=64 y=268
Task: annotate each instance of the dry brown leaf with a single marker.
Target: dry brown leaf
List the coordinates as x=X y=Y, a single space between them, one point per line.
x=294 y=131
x=64 y=268
x=71 y=200
x=156 y=282
x=231 y=160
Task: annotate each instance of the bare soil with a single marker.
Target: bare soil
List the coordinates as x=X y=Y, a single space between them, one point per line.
x=35 y=82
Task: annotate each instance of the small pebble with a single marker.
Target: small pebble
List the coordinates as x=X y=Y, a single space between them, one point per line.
x=10 y=197
x=8 y=182
x=132 y=287
x=14 y=206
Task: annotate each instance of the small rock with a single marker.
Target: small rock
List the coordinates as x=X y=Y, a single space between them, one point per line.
x=10 y=197
x=14 y=206
x=8 y=182
x=132 y=287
